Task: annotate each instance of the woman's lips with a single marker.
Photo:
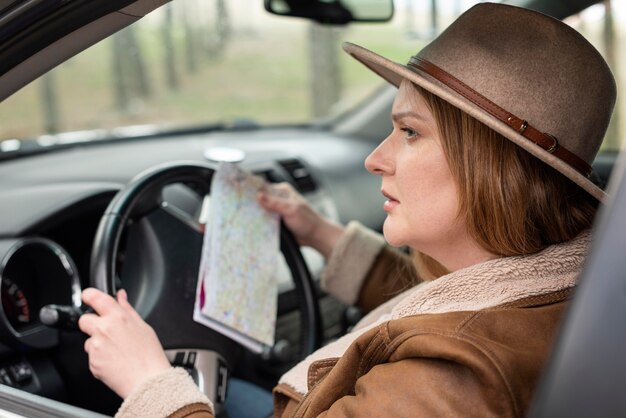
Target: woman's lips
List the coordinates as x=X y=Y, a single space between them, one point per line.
x=390 y=203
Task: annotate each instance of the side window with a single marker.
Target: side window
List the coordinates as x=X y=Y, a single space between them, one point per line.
x=603 y=25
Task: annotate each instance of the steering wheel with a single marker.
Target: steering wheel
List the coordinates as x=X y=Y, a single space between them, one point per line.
x=160 y=263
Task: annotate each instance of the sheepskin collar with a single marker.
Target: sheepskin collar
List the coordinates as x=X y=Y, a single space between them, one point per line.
x=498 y=281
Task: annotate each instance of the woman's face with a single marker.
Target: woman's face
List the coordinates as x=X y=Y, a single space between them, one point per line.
x=422 y=197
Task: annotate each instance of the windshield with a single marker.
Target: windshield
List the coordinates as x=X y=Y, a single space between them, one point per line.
x=199 y=62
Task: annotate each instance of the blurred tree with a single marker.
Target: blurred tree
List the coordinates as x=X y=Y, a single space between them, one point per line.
x=190 y=31
x=50 y=103
x=169 y=51
x=220 y=33
x=130 y=73
x=325 y=71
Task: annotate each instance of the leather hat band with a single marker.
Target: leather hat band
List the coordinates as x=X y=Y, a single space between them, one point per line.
x=545 y=141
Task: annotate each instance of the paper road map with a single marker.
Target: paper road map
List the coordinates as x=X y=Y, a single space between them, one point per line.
x=237 y=289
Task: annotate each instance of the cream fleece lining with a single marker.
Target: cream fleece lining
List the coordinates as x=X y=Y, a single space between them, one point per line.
x=162 y=395
x=350 y=261
x=481 y=286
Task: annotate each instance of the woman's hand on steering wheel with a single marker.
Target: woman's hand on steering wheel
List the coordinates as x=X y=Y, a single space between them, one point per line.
x=123 y=349
x=308 y=226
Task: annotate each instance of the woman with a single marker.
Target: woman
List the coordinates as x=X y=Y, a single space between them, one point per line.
x=497 y=214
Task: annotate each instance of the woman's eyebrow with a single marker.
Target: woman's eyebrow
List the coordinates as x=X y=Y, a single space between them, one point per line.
x=400 y=115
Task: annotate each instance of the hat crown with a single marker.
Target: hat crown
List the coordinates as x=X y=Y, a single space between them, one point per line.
x=535 y=67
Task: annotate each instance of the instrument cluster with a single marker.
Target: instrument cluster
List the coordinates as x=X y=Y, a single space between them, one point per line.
x=34 y=272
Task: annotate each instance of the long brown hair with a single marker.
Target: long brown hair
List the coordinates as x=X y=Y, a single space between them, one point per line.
x=512 y=202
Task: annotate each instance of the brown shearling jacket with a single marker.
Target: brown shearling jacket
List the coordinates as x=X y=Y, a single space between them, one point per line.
x=483 y=364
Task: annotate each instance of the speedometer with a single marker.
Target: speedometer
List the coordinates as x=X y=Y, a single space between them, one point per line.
x=15 y=304
x=34 y=272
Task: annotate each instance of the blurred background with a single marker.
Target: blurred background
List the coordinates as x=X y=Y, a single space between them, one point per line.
x=201 y=62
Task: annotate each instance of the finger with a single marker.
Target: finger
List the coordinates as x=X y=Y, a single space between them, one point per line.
x=271 y=192
x=281 y=190
x=261 y=197
x=279 y=197
x=269 y=202
x=88 y=323
x=122 y=299
x=87 y=345
x=99 y=301
x=122 y=296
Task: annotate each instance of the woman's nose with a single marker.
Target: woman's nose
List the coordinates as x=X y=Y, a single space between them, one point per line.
x=378 y=162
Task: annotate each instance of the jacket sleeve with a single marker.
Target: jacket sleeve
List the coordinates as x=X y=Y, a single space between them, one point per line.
x=364 y=271
x=172 y=393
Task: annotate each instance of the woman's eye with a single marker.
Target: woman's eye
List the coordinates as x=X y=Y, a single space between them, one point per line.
x=410 y=133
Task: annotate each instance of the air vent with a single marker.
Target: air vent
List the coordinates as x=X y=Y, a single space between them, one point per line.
x=300 y=174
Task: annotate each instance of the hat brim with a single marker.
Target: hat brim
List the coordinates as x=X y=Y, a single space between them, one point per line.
x=394 y=73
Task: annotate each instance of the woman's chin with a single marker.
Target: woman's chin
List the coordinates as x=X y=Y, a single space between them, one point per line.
x=392 y=234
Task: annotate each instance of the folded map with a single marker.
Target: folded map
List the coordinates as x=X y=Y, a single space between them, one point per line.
x=237 y=289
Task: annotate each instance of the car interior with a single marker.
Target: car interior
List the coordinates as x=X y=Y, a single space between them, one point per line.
x=95 y=191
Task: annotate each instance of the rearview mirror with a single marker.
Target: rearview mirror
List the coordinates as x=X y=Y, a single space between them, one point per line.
x=337 y=12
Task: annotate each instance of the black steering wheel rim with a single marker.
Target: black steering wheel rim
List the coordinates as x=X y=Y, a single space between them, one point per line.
x=142 y=194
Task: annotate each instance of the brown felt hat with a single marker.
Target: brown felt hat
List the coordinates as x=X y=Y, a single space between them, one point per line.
x=527 y=76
